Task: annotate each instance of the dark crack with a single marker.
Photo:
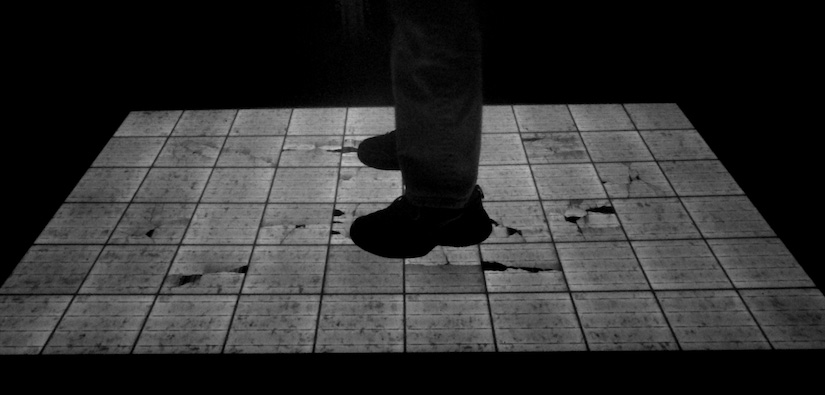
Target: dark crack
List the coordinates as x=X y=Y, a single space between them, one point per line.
x=301 y=226
x=337 y=213
x=344 y=150
x=601 y=210
x=512 y=231
x=531 y=139
x=186 y=279
x=242 y=270
x=498 y=267
x=150 y=233
x=335 y=232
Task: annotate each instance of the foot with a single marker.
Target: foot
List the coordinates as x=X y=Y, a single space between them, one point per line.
x=404 y=230
x=379 y=152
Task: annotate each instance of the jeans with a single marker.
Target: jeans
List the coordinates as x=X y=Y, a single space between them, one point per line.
x=436 y=77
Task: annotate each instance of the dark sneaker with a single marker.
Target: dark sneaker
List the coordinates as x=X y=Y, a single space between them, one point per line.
x=403 y=230
x=379 y=152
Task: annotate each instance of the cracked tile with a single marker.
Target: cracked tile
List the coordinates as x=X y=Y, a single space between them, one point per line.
x=345 y=214
x=238 y=186
x=100 y=325
x=655 y=218
x=304 y=185
x=677 y=144
x=562 y=147
x=594 y=117
x=536 y=322
x=657 y=116
x=26 y=322
x=107 y=185
x=51 y=270
x=790 y=318
x=370 y=121
x=544 y=118
x=187 y=324
x=129 y=270
x=207 y=270
x=260 y=122
x=153 y=223
x=511 y=182
x=448 y=323
x=583 y=220
x=634 y=180
x=365 y=184
x=353 y=270
x=296 y=224
x=759 y=263
x=502 y=149
x=349 y=152
x=498 y=119
x=680 y=264
x=303 y=151
x=616 y=146
x=533 y=267
x=173 y=185
x=224 y=224
x=727 y=216
x=711 y=320
x=445 y=270
x=274 y=324
x=286 y=270
x=568 y=181
x=251 y=152
x=317 y=121
x=361 y=323
x=148 y=123
x=601 y=266
x=517 y=222
x=190 y=152
x=614 y=321
x=82 y=223
x=205 y=123
x=129 y=152
x=692 y=178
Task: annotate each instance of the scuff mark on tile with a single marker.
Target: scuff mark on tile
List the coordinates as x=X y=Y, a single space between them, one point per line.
x=499 y=267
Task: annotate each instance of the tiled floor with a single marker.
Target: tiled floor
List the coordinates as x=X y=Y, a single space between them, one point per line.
x=616 y=228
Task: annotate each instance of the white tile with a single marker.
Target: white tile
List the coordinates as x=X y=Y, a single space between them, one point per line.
x=680 y=264
x=107 y=185
x=790 y=318
x=173 y=185
x=251 y=152
x=26 y=322
x=129 y=270
x=51 y=270
x=368 y=185
x=634 y=180
x=759 y=263
x=370 y=120
x=261 y=121
x=361 y=323
x=208 y=270
x=273 y=324
x=655 y=218
x=153 y=223
x=676 y=144
x=657 y=116
x=544 y=118
x=562 y=147
x=502 y=149
x=187 y=324
x=445 y=270
x=697 y=178
x=532 y=267
x=601 y=266
x=129 y=152
x=583 y=220
x=190 y=152
x=727 y=216
x=498 y=119
x=303 y=151
x=568 y=181
x=448 y=323
x=304 y=185
x=238 y=186
x=286 y=270
x=148 y=123
x=536 y=322
x=224 y=224
x=517 y=222
x=510 y=182
x=354 y=271
x=592 y=117
x=616 y=146
x=205 y=123
x=82 y=223
x=296 y=224
x=317 y=121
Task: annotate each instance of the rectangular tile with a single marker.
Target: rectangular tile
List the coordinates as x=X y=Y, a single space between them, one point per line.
x=593 y=117
x=445 y=270
x=205 y=123
x=536 y=322
x=286 y=270
x=107 y=185
x=544 y=118
x=273 y=324
x=190 y=152
x=790 y=318
x=317 y=121
x=82 y=223
x=502 y=149
x=304 y=185
x=648 y=116
x=759 y=263
x=696 y=178
x=296 y=224
x=224 y=224
x=562 y=147
x=676 y=144
x=148 y=123
x=153 y=223
x=187 y=324
x=448 y=323
x=533 y=267
x=136 y=269
x=129 y=152
x=680 y=264
x=616 y=146
x=365 y=184
x=261 y=122
x=361 y=323
x=303 y=151
x=251 y=152
x=634 y=180
x=173 y=185
x=51 y=270
x=727 y=216
x=502 y=183
x=601 y=266
x=517 y=222
x=568 y=181
x=498 y=119
x=583 y=220
x=370 y=120
x=655 y=218
x=26 y=322
x=207 y=270
x=238 y=186
x=354 y=271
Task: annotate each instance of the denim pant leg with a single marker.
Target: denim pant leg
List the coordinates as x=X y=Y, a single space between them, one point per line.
x=436 y=75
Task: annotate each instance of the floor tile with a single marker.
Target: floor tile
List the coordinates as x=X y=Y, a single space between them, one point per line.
x=593 y=117
x=261 y=122
x=648 y=116
x=148 y=123
x=361 y=323
x=129 y=270
x=26 y=322
x=448 y=323
x=82 y=223
x=727 y=216
x=697 y=178
x=533 y=267
x=601 y=266
x=517 y=222
x=562 y=147
x=498 y=119
x=502 y=149
x=273 y=324
x=544 y=118
x=615 y=321
x=207 y=270
x=107 y=185
x=303 y=151
x=129 y=152
x=368 y=185
x=370 y=121
x=711 y=320
x=536 y=322
x=205 y=123
x=677 y=144
x=345 y=214
x=251 y=152
x=634 y=180
x=616 y=146
x=296 y=224
x=286 y=270
x=583 y=220
x=680 y=264
x=238 y=186
x=352 y=270
x=317 y=121
x=224 y=224
x=790 y=318
x=190 y=152
x=511 y=182
x=304 y=185
x=759 y=263
x=51 y=270
x=655 y=218
x=187 y=324
x=96 y=324
x=445 y=270
x=153 y=223
x=349 y=152
x=568 y=181
x=173 y=185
